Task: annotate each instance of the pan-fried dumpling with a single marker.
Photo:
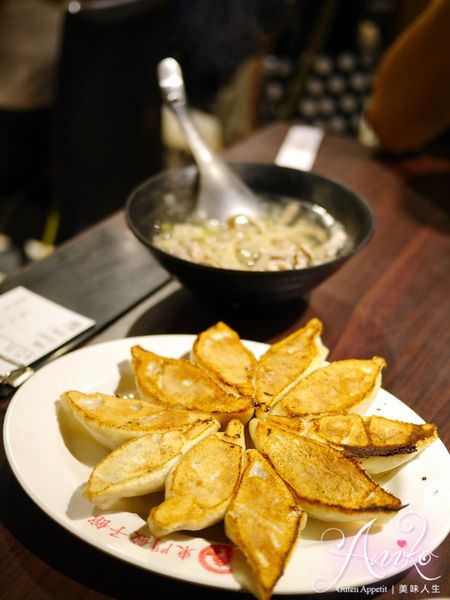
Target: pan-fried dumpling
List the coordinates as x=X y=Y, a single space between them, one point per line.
x=113 y=421
x=264 y=521
x=200 y=487
x=329 y=485
x=178 y=383
x=220 y=351
x=339 y=387
x=376 y=443
x=286 y=362
x=140 y=466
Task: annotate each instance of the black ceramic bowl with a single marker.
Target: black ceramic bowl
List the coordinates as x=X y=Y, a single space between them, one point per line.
x=171 y=195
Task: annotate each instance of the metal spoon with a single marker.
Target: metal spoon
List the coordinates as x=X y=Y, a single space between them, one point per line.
x=221 y=193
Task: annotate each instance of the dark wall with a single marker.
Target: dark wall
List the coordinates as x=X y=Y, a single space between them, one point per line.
x=107 y=111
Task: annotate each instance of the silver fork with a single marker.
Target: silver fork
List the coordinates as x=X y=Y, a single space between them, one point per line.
x=16 y=376
x=13 y=379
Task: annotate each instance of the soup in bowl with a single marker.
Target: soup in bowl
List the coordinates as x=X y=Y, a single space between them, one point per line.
x=310 y=226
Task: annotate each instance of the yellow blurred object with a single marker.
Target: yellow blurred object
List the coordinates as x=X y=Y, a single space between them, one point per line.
x=30 y=33
x=410 y=104
x=208 y=125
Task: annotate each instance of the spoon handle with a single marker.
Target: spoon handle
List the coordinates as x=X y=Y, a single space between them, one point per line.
x=221 y=193
x=173 y=91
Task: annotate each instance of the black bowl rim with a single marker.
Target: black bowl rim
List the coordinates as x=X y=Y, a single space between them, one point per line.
x=267 y=274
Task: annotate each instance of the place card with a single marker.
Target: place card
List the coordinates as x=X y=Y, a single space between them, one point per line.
x=299 y=148
x=32 y=326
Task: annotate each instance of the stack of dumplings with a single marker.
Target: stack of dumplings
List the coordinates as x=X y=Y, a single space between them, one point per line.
x=310 y=452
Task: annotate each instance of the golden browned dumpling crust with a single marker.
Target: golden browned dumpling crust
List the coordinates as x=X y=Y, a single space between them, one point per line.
x=339 y=387
x=179 y=383
x=112 y=420
x=373 y=436
x=264 y=521
x=220 y=351
x=140 y=466
x=287 y=361
x=329 y=485
x=200 y=487
x=376 y=443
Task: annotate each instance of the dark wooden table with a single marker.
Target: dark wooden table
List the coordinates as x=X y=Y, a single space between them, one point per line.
x=391 y=300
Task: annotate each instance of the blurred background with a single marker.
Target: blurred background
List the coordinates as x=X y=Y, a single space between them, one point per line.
x=80 y=111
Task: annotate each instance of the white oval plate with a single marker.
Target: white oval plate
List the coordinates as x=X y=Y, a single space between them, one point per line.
x=52 y=459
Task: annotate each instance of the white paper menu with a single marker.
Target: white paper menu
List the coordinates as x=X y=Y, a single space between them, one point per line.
x=300 y=147
x=32 y=326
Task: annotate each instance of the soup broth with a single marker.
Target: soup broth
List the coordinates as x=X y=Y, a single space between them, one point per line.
x=290 y=234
